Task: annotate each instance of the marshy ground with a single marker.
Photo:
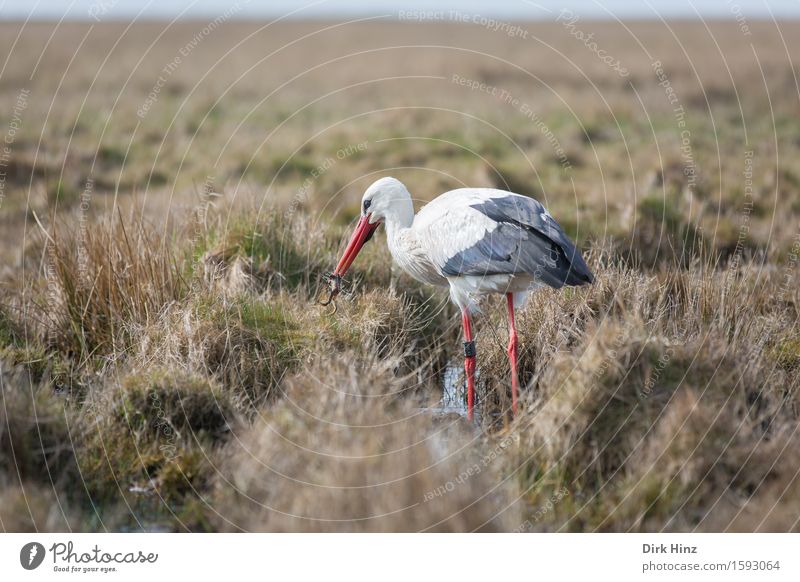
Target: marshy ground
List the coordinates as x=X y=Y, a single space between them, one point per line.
x=170 y=201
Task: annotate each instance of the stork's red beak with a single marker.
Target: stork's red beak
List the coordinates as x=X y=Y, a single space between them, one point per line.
x=361 y=235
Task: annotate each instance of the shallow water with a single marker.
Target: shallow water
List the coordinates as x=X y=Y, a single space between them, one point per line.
x=454 y=389
x=454 y=393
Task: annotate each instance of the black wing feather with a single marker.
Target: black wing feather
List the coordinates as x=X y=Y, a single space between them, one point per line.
x=527 y=240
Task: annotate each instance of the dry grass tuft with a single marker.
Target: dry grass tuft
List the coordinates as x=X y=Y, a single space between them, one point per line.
x=105 y=286
x=246 y=343
x=653 y=413
x=345 y=451
x=711 y=465
x=148 y=445
x=183 y=406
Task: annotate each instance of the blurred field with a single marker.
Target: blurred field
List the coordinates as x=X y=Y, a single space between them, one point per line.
x=170 y=198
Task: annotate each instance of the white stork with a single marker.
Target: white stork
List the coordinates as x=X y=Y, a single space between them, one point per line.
x=476 y=241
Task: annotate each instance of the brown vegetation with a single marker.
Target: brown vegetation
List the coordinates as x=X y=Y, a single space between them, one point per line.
x=163 y=365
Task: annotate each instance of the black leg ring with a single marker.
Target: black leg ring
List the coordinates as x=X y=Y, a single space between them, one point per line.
x=469 y=349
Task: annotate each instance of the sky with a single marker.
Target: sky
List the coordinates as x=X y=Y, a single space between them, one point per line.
x=509 y=9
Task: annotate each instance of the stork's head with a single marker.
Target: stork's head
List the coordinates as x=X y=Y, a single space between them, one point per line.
x=386 y=200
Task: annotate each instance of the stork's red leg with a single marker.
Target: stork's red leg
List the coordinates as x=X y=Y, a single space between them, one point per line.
x=512 y=352
x=469 y=362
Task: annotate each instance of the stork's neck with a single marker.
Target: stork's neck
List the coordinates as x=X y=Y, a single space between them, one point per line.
x=396 y=226
x=399 y=217
x=398 y=230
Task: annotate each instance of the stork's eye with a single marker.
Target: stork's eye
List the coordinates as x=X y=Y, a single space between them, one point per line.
x=366 y=204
